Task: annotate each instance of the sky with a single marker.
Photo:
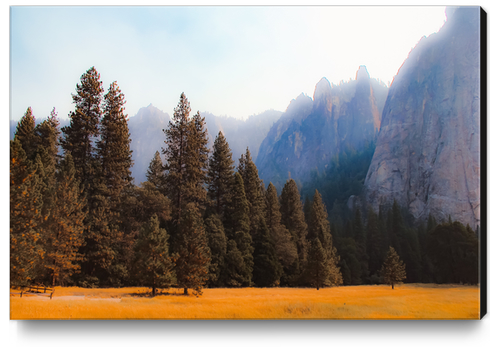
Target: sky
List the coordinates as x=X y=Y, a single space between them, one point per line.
x=235 y=61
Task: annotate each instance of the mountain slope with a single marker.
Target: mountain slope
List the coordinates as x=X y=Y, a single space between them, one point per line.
x=427 y=155
x=312 y=132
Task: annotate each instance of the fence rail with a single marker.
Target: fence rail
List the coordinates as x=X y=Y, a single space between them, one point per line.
x=32 y=290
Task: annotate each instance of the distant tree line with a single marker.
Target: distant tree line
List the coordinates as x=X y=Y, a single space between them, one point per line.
x=199 y=220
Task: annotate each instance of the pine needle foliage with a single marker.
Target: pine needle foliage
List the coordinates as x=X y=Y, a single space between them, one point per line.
x=293 y=219
x=26 y=252
x=65 y=235
x=220 y=175
x=153 y=261
x=193 y=255
x=280 y=236
x=393 y=269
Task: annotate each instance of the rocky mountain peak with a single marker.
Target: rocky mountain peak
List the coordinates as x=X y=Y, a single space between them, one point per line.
x=362 y=74
x=322 y=89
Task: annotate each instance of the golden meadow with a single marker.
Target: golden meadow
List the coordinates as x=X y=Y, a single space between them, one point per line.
x=407 y=301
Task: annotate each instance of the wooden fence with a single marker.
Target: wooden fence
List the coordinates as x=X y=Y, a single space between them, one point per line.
x=33 y=290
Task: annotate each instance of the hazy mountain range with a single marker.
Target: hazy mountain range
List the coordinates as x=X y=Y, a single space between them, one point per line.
x=426 y=127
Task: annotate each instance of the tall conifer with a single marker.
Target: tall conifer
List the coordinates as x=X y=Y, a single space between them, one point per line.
x=155 y=267
x=220 y=175
x=237 y=228
x=25 y=217
x=193 y=254
x=253 y=189
x=65 y=235
x=281 y=238
x=293 y=219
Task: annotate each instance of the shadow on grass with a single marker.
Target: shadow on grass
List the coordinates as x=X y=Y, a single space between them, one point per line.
x=148 y=294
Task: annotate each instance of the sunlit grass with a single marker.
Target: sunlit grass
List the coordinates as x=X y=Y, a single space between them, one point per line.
x=416 y=301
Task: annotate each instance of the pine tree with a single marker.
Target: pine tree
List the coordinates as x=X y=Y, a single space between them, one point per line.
x=176 y=156
x=293 y=219
x=393 y=269
x=237 y=228
x=25 y=217
x=267 y=269
x=235 y=272
x=254 y=191
x=193 y=257
x=155 y=174
x=197 y=165
x=113 y=147
x=47 y=146
x=280 y=236
x=360 y=238
x=24 y=133
x=217 y=241
x=112 y=176
x=453 y=249
x=374 y=242
x=155 y=267
x=65 y=225
x=220 y=175
x=317 y=265
x=320 y=229
x=80 y=135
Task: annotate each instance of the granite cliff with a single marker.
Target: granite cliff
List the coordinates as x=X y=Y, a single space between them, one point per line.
x=427 y=153
x=312 y=131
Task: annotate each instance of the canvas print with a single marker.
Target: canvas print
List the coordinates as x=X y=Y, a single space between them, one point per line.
x=214 y=162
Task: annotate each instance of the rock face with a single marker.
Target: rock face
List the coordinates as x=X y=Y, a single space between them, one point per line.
x=428 y=150
x=311 y=132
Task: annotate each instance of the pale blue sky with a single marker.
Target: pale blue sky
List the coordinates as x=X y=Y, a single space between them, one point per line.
x=234 y=61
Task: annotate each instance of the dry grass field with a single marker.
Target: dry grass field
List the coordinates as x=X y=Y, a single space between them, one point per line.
x=415 y=301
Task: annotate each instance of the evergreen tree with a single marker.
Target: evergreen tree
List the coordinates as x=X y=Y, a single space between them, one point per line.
x=317 y=265
x=453 y=249
x=24 y=133
x=267 y=269
x=47 y=135
x=152 y=256
x=280 y=236
x=197 y=166
x=217 y=241
x=155 y=174
x=25 y=217
x=186 y=156
x=80 y=135
x=374 y=243
x=253 y=190
x=220 y=175
x=360 y=238
x=113 y=147
x=393 y=269
x=235 y=273
x=293 y=219
x=65 y=225
x=237 y=228
x=320 y=229
x=47 y=146
x=193 y=257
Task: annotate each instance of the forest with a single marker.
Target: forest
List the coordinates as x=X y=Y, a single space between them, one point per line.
x=200 y=219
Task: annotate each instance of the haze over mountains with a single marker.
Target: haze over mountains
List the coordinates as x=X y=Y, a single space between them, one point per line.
x=426 y=127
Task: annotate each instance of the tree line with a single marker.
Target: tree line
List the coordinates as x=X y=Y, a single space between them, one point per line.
x=199 y=220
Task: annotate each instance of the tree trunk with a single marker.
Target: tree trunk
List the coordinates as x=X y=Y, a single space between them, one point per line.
x=185 y=291
x=153 y=291
x=393 y=286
